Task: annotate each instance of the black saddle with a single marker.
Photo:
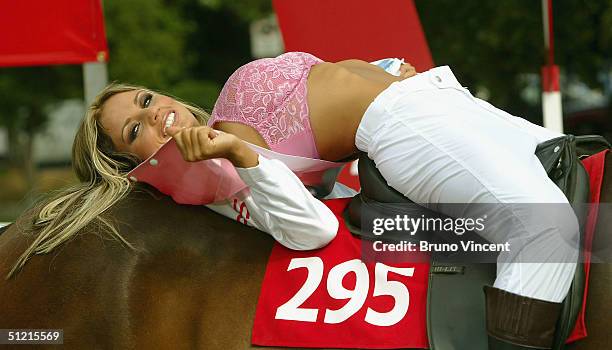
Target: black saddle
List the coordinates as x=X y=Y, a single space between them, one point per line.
x=455 y=301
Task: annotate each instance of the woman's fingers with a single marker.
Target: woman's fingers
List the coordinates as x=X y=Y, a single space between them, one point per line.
x=204 y=139
x=212 y=133
x=196 y=151
x=180 y=143
x=186 y=135
x=196 y=143
x=182 y=140
x=407 y=70
x=173 y=130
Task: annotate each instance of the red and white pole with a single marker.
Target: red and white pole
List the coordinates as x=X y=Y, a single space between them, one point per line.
x=551 y=95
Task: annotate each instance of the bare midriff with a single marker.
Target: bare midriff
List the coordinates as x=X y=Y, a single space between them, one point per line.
x=337 y=100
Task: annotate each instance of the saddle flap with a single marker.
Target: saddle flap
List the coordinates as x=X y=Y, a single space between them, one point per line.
x=456 y=306
x=373 y=184
x=587 y=145
x=549 y=152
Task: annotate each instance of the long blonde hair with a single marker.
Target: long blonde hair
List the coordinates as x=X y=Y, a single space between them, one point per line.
x=102 y=174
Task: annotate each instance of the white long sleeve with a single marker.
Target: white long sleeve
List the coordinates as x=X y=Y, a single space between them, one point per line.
x=278 y=203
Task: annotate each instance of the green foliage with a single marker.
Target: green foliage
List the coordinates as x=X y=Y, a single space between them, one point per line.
x=202 y=93
x=247 y=10
x=26 y=92
x=583 y=38
x=147 y=42
x=185 y=48
x=489 y=44
x=492 y=44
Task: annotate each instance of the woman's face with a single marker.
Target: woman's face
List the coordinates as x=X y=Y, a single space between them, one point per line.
x=136 y=120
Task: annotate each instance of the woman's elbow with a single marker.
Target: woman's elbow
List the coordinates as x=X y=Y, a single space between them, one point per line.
x=314 y=236
x=327 y=233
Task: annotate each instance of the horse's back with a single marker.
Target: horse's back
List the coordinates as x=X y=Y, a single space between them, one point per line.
x=67 y=289
x=186 y=285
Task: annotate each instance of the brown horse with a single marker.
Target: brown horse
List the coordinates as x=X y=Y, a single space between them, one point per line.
x=193 y=283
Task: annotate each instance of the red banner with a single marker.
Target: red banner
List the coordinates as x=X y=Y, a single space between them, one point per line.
x=331 y=298
x=364 y=29
x=42 y=32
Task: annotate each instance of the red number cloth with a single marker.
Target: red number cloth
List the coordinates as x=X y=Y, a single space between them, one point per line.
x=594 y=166
x=280 y=285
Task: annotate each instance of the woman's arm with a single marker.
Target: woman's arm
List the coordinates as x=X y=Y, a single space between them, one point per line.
x=277 y=202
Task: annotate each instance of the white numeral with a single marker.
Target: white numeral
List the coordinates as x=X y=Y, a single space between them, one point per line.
x=291 y=309
x=337 y=291
x=395 y=289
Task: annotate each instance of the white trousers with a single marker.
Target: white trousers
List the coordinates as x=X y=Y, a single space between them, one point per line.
x=436 y=143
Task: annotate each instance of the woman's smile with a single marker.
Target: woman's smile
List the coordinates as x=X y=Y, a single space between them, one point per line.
x=169 y=120
x=137 y=121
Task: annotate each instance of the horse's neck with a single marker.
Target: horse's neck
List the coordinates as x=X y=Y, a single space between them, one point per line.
x=197 y=268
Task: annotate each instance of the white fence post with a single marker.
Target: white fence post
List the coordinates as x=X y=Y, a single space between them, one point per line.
x=95 y=78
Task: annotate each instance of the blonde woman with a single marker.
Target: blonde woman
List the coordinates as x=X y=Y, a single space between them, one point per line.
x=125 y=124
x=277 y=202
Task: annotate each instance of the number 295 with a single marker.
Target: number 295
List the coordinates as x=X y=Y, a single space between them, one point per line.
x=291 y=310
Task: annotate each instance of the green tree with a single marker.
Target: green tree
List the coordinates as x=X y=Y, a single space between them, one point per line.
x=185 y=48
x=147 y=42
x=491 y=45
x=26 y=94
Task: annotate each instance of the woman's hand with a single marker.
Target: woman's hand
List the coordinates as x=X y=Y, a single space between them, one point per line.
x=406 y=71
x=202 y=142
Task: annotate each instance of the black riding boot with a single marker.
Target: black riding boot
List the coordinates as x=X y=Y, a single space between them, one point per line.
x=518 y=322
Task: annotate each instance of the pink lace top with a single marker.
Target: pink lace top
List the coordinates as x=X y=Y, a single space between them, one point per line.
x=269 y=95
